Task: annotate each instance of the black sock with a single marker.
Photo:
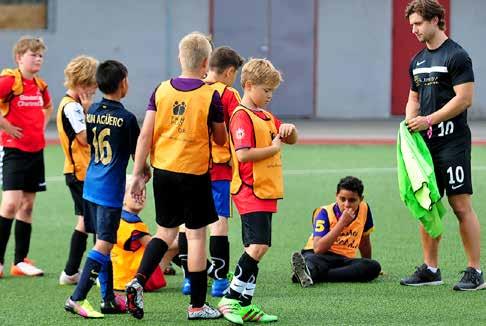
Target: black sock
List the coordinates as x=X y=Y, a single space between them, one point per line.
x=23 y=231
x=152 y=256
x=91 y=270
x=245 y=272
x=76 y=252
x=5 y=228
x=183 y=252
x=219 y=250
x=199 y=287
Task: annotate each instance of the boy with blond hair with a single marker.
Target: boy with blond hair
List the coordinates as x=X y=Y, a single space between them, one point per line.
x=25 y=106
x=80 y=81
x=182 y=114
x=223 y=68
x=256 y=136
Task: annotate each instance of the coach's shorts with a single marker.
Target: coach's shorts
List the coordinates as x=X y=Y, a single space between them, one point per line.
x=256 y=228
x=183 y=199
x=221 y=196
x=76 y=189
x=23 y=170
x=453 y=173
x=102 y=220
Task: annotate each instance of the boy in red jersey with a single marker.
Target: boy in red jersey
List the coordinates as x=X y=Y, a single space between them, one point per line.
x=257 y=184
x=26 y=106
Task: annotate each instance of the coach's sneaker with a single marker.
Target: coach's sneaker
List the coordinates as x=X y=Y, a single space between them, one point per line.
x=300 y=269
x=82 y=308
x=423 y=276
x=219 y=287
x=204 y=312
x=134 y=291
x=186 y=286
x=116 y=306
x=471 y=280
x=26 y=268
x=254 y=313
x=65 y=279
x=230 y=308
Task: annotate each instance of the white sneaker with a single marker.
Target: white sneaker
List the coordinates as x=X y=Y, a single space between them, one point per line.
x=25 y=269
x=65 y=279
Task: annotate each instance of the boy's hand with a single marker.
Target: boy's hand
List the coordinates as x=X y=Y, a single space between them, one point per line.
x=286 y=129
x=86 y=100
x=137 y=188
x=277 y=142
x=347 y=217
x=14 y=131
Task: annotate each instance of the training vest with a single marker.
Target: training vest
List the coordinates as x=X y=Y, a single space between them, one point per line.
x=348 y=241
x=267 y=173
x=125 y=261
x=17 y=88
x=76 y=154
x=180 y=141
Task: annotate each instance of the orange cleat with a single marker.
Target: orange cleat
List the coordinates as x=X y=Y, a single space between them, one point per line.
x=26 y=268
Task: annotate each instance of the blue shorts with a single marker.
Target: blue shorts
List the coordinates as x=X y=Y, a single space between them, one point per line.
x=221 y=196
x=102 y=220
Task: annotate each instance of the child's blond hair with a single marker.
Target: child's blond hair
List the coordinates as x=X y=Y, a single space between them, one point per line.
x=26 y=43
x=194 y=48
x=260 y=72
x=80 y=71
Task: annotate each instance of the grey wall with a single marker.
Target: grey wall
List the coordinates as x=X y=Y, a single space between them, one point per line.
x=354 y=59
x=142 y=34
x=468 y=28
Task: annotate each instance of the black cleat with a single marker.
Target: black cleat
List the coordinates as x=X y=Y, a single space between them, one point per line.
x=134 y=291
x=470 y=281
x=300 y=269
x=423 y=276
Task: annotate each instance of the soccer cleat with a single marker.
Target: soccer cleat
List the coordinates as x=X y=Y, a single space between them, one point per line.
x=219 y=287
x=472 y=280
x=254 y=313
x=423 y=276
x=116 y=306
x=300 y=269
x=82 y=308
x=204 y=312
x=134 y=291
x=65 y=279
x=186 y=286
x=26 y=268
x=230 y=308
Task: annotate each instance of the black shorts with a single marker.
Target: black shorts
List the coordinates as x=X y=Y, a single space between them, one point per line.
x=76 y=188
x=256 y=228
x=183 y=199
x=102 y=221
x=23 y=170
x=453 y=172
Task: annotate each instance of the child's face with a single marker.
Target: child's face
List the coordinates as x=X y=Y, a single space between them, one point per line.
x=230 y=76
x=124 y=87
x=88 y=91
x=131 y=205
x=30 y=62
x=261 y=95
x=348 y=199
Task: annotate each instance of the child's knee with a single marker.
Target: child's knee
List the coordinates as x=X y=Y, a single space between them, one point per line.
x=372 y=269
x=257 y=251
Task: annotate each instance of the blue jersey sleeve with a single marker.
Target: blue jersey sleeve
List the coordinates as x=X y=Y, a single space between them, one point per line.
x=368 y=228
x=321 y=224
x=133 y=132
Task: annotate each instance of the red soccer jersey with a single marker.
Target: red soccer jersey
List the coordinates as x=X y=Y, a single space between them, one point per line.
x=230 y=102
x=26 y=112
x=242 y=133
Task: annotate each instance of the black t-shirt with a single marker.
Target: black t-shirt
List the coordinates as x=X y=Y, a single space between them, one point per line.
x=433 y=74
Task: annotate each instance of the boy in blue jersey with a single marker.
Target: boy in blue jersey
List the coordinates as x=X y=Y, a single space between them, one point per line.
x=112 y=133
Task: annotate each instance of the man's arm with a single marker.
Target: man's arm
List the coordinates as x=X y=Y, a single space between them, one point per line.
x=413 y=105
x=365 y=246
x=459 y=103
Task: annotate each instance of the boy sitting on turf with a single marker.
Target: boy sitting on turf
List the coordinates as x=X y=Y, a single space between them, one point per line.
x=340 y=229
x=112 y=134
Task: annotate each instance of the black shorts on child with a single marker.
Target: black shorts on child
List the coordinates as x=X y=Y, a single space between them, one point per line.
x=76 y=189
x=23 y=170
x=256 y=228
x=102 y=221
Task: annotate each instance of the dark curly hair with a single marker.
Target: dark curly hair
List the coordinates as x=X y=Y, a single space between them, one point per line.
x=352 y=184
x=428 y=9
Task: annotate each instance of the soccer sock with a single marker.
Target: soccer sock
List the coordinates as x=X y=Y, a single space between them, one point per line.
x=432 y=269
x=106 y=280
x=152 y=256
x=199 y=287
x=76 y=252
x=219 y=250
x=5 y=228
x=183 y=253
x=22 y=240
x=94 y=261
x=245 y=271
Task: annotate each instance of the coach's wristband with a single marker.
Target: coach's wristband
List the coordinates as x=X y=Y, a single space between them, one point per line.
x=429 y=122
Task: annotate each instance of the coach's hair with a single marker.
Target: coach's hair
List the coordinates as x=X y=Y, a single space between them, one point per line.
x=194 y=48
x=26 y=43
x=223 y=58
x=428 y=9
x=109 y=75
x=80 y=71
x=352 y=184
x=260 y=72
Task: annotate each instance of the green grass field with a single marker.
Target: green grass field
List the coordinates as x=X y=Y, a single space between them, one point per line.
x=311 y=173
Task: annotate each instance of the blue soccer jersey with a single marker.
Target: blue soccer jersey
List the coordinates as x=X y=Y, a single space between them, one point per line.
x=112 y=135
